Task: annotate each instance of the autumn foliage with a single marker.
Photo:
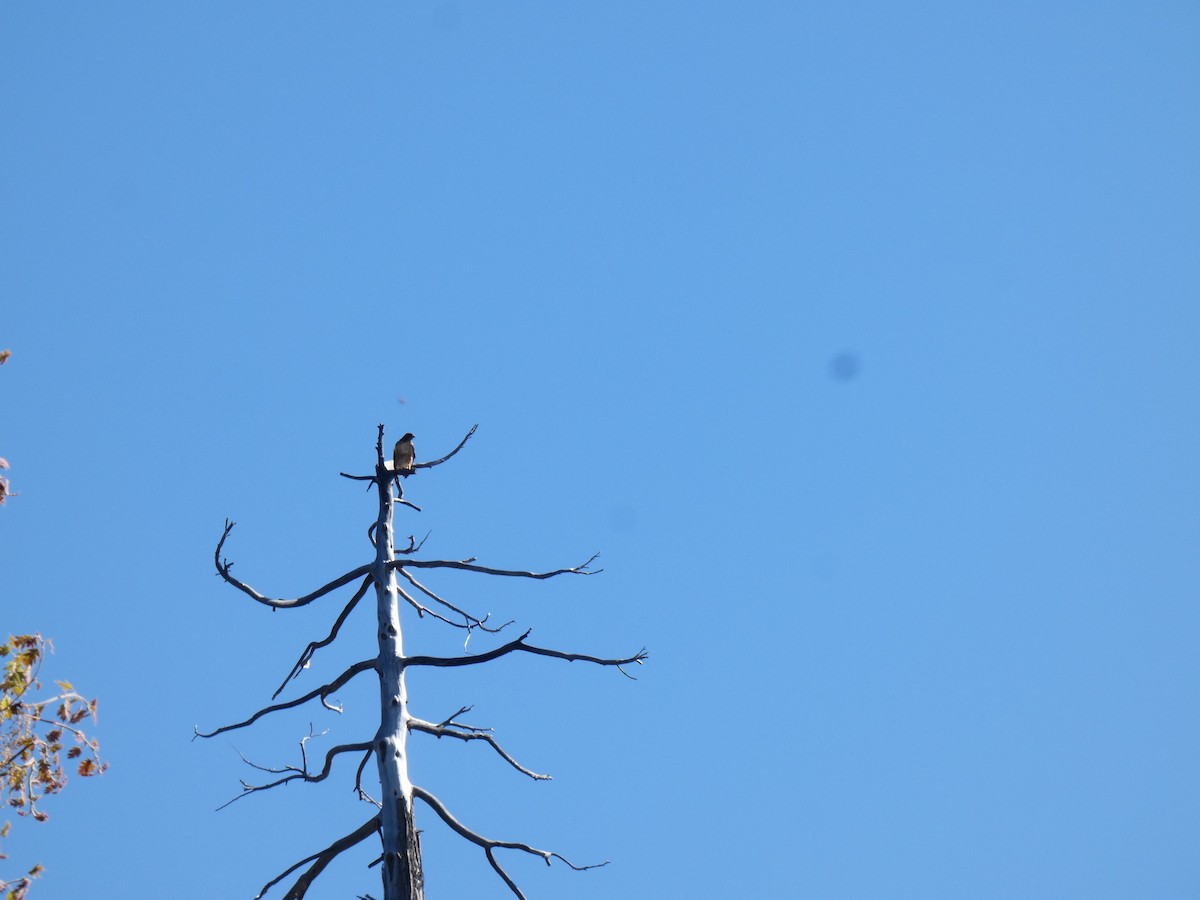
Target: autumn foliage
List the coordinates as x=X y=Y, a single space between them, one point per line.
x=34 y=733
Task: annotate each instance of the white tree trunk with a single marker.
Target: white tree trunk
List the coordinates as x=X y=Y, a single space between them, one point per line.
x=402 y=877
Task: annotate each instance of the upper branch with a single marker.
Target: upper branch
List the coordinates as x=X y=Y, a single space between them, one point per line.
x=417 y=465
x=438 y=462
x=469 y=565
x=323 y=692
x=520 y=645
x=490 y=844
x=224 y=566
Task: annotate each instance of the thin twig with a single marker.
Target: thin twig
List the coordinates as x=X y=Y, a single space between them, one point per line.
x=414 y=547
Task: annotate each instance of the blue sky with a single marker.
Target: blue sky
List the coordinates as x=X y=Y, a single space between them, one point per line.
x=859 y=338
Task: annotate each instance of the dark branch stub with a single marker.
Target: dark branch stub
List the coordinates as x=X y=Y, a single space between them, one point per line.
x=400 y=862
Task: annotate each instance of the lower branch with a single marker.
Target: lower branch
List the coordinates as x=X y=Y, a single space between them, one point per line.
x=320 y=861
x=489 y=844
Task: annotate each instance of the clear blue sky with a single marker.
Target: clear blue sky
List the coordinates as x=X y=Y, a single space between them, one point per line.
x=860 y=338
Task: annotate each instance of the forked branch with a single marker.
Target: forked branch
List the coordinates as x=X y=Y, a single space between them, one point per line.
x=224 y=566
x=489 y=844
x=464 y=732
x=299 y=773
x=413 y=544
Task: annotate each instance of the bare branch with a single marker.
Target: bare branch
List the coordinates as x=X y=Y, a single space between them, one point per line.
x=320 y=861
x=224 y=566
x=378 y=456
x=323 y=692
x=469 y=621
x=363 y=795
x=491 y=858
x=453 y=729
x=489 y=844
x=413 y=547
x=307 y=655
x=438 y=462
x=455 y=715
x=469 y=565
x=297 y=774
x=423 y=611
x=520 y=645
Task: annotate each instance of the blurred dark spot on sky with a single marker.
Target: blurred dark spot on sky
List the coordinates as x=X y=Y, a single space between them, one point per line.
x=845 y=366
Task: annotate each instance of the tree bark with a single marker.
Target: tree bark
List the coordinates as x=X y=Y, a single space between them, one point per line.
x=402 y=876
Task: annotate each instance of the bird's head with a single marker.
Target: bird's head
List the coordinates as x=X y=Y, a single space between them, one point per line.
x=408 y=436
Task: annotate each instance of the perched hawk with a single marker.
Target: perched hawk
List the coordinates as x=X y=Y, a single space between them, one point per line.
x=404 y=456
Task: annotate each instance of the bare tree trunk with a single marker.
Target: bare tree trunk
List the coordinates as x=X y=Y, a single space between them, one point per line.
x=402 y=876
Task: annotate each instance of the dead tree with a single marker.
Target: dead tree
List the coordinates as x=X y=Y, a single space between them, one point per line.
x=392 y=816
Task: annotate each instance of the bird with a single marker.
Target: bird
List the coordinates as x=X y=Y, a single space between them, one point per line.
x=404 y=455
